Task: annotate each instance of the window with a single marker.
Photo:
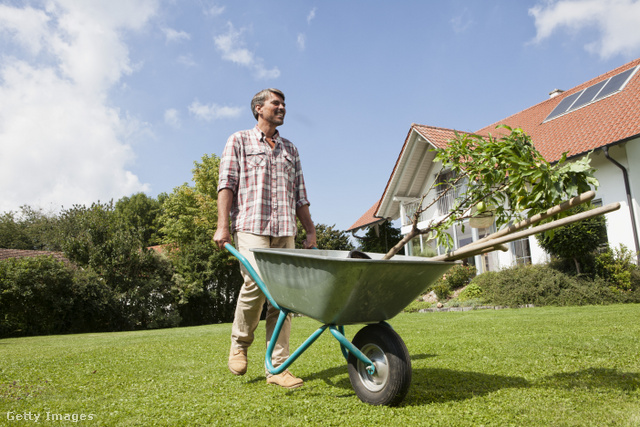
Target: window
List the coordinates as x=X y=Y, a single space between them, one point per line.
x=521 y=251
x=488 y=260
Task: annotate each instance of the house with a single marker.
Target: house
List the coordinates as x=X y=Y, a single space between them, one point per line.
x=600 y=116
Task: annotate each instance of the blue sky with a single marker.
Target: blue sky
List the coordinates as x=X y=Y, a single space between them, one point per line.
x=106 y=98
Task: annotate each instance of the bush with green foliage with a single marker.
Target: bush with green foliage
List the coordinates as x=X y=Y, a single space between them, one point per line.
x=542 y=285
x=577 y=241
x=457 y=277
x=42 y=295
x=617 y=267
x=35 y=295
x=471 y=292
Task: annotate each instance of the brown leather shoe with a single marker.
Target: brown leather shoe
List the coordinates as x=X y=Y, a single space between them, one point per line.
x=237 y=361
x=285 y=379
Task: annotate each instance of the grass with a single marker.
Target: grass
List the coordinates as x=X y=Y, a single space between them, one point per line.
x=573 y=366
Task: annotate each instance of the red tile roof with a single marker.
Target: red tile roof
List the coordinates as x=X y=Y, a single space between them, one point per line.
x=368 y=219
x=604 y=122
x=20 y=253
x=436 y=136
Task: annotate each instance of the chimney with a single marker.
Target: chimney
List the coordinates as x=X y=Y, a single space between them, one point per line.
x=555 y=93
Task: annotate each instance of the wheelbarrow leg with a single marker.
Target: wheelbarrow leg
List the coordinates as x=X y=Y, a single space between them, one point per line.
x=348 y=348
x=292 y=358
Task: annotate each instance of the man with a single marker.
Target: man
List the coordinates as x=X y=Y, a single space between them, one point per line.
x=261 y=189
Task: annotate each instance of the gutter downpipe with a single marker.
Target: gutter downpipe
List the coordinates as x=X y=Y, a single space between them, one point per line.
x=625 y=175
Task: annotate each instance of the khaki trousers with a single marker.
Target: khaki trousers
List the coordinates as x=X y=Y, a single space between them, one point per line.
x=251 y=300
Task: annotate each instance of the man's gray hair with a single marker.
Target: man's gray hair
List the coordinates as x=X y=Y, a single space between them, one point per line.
x=260 y=97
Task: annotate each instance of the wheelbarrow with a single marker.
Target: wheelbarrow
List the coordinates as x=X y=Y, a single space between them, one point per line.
x=339 y=288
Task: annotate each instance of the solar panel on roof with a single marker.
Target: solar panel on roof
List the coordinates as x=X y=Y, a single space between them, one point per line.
x=588 y=95
x=563 y=106
x=615 y=83
x=591 y=94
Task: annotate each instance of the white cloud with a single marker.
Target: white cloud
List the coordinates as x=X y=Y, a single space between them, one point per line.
x=172 y=118
x=616 y=22
x=28 y=26
x=187 y=60
x=461 y=22
x=231 y=45
x=214 y=10
x=301 y=41
x=211 y=112
x=175 y=36
x=311 y=15
x=60 y=142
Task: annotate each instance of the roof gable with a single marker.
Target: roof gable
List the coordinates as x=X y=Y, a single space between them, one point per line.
x=412 y=166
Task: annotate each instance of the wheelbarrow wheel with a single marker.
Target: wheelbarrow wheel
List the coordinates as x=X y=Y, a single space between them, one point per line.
x=389 y=384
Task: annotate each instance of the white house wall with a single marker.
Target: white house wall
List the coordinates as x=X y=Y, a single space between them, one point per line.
x=612 y=189
x=633 y=152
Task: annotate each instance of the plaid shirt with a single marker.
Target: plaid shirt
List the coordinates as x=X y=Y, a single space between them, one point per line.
x=267 y=184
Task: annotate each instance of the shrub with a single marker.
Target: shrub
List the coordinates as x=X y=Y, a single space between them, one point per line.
x=471 y=292
x=617 y=268
x=575 y=241
x=35 y=296
x=41 y=295
x=532 y=284
x=457 y=277
x=542 y=285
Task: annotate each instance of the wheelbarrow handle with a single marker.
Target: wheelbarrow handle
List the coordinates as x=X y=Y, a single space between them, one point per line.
x=253 y=273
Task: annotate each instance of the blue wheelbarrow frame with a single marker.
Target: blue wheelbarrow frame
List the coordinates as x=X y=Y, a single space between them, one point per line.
x=336 y=330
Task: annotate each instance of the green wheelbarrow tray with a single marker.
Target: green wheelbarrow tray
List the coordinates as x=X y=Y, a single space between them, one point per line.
x=333 y=289
x=337 y=290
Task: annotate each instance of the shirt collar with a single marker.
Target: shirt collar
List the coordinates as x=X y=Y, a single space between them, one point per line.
x=261 y=135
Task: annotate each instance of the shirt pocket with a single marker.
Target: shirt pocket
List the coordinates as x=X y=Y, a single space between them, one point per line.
x=289 y=164
x=256 y=159
x=289 y=173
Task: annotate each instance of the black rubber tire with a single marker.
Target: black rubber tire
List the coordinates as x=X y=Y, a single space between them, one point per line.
x=390 y=383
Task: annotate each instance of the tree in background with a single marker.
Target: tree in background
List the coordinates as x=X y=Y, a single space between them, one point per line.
x=380 y=238
x=141 y=212
x=575 y=241
x=326 y=236
x=98 y=239
x=209 y=278
x=29 y=229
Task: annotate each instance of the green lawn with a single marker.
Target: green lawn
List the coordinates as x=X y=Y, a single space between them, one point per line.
x=577 y=366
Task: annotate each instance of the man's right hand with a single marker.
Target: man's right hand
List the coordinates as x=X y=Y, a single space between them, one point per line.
x=221 y=238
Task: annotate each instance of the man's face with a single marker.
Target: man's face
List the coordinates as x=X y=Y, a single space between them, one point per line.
x=273 y=110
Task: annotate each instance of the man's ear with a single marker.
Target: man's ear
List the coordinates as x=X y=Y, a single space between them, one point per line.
x=258 y=109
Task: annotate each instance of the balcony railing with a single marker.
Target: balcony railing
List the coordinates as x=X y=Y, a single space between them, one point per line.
x=442 y=207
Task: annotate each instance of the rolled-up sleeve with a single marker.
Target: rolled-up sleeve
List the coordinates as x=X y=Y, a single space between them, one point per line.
x=229 y=166
x=301 y=189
